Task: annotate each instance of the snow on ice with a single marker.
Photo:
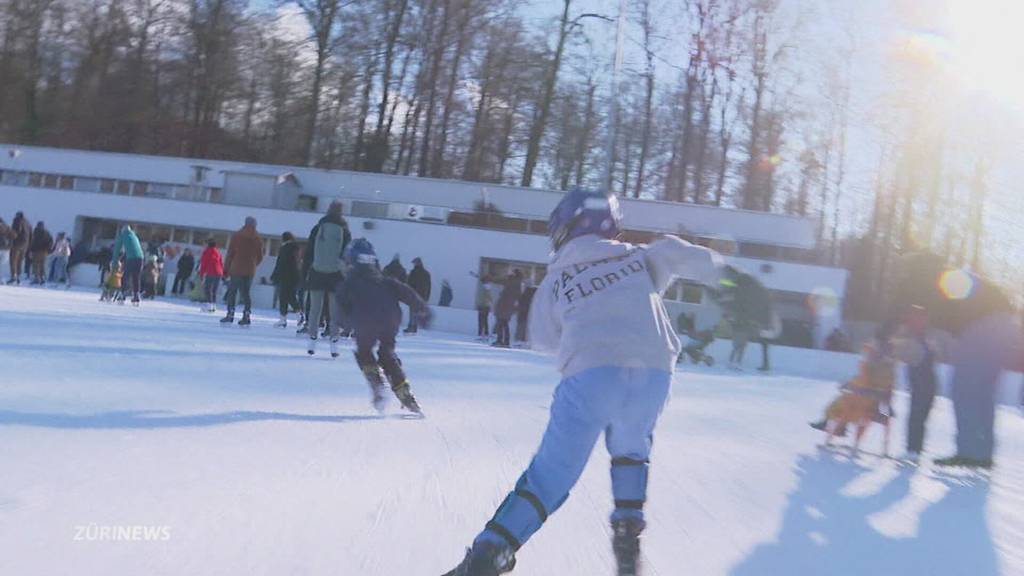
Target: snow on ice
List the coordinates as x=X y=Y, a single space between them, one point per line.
x=155 y=441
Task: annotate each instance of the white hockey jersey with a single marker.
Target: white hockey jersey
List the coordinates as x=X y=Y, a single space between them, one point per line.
x=600 y=303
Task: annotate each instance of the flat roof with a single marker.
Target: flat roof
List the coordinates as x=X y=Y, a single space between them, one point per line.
x=697 y=219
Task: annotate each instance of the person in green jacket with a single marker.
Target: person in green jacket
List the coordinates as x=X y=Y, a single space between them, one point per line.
x=128 y=243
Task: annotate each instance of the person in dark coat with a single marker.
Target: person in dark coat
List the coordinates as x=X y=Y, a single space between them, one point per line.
x=419 y=280
x=987 y=342
x=6 y=236
x=371 y=301
x=186 y=265
x=505 y=308
x=523 y=313
x=286 y=276
x=921 y=376
x=395 y=270
x=446 y=294
x=42 y=244
x=105 y=254
x=21 y=237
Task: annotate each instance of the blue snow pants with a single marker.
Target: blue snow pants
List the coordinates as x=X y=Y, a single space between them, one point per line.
x=624 y=403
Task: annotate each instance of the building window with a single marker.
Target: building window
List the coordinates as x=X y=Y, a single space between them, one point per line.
x=66 y=182
x=107 y=186
x=160 y=190
x=50 y=181
x=182 y=236
x=363 y=209
x=108 y=230
x=221 y=238
x=140 y=188
x=306 y=203
x=87 y=184
x=216 y=195
x=35 y=179
x=759 y=251
x=123 y=187
x=496 y=269
x=686 y=292
x=274 y=247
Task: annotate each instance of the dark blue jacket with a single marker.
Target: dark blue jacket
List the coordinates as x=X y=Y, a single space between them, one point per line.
x=370 y=301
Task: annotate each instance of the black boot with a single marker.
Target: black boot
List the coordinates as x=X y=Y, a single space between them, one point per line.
x=404 y=395
x=229 y=318
x=375 y=379
x=626 y=545
x=485 y=559
x=245 y=321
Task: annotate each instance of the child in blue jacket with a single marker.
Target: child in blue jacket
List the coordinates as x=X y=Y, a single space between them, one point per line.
x=370 y=301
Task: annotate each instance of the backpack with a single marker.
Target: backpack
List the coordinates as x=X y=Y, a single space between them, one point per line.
x=327 y=250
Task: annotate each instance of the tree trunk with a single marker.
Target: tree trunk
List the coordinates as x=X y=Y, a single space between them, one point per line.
x=540 y=120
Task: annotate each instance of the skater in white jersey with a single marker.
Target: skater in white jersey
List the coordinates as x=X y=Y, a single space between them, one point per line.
x=600 y=310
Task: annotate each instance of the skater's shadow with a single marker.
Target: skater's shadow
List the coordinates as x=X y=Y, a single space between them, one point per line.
x=825 y=530
x=152 y=419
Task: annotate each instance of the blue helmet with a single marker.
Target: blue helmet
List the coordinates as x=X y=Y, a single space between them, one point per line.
x=360 y=251
x=583 y=212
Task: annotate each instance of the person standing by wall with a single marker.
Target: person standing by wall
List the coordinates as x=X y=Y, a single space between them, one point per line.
x=41 y=246
x=61 y=257
x=6 y=236
x=186 y=264
x=128 y=243
x=523 y=313
x=395 y=270
x=245 y=252
x=286 y=277
x=446 y=295
x=483 y=300
x=419 y=280
x=325 y=253
x=21 y=235
x=505 y=308
x=211 y=269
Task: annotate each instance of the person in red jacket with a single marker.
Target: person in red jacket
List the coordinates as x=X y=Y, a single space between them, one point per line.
x=211 y=269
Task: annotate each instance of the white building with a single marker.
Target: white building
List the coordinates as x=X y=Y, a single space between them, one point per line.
x=446 y=223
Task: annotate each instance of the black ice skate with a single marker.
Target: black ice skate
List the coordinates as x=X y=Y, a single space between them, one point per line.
x=626 y=545
x=485 y=559
x=375 y=378
x=404 y=395
x=230 y=318
x=245 y=321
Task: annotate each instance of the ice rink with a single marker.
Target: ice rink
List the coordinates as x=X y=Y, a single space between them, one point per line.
x=243 y=456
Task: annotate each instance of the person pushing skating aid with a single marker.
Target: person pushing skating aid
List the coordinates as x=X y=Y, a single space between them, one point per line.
x=370 y=300
x=600 y=309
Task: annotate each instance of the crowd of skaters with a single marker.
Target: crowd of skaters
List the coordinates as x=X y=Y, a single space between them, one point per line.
x=33 y=253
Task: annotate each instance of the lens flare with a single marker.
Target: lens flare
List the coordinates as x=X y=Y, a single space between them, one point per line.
x=956 y=284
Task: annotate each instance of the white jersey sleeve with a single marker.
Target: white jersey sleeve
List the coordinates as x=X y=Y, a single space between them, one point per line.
x=672 y=257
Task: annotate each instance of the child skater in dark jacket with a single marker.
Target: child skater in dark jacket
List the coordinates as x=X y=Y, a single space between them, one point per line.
x=370 y=301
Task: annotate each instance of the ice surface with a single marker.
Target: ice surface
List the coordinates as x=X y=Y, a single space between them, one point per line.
x=259 y=460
